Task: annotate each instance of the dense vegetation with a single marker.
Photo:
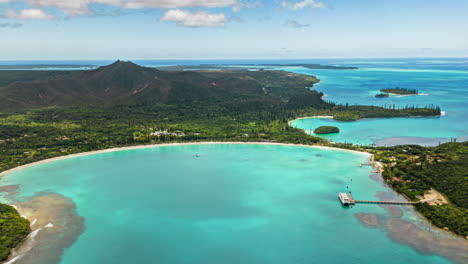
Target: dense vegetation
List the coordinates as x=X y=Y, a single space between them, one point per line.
x=13 y=229
x=52 y=132
x=356 y=112
x=413 y=170
x=353 y=113
x=446 y=216
x=401 y=91
x=326 y=130
x=124 y=83
x=382 y=95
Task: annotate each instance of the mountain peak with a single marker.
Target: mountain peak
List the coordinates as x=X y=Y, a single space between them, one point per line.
x=122 y=65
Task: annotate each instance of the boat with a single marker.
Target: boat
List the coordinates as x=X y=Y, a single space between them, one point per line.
x=345 y=199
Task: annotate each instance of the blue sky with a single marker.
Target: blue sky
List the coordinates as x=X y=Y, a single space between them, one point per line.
x=232 y=29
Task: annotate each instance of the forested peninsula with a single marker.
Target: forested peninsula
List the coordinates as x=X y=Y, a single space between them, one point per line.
x=400 y=91
x=13 y=230
x=413 y=170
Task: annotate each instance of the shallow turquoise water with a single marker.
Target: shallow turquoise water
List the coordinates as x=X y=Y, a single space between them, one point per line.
x=386 y=131
x=444 y=82
x=233 y=204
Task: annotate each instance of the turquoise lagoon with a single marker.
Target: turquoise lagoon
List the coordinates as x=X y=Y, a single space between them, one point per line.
x=442 y=82
x=233 y=204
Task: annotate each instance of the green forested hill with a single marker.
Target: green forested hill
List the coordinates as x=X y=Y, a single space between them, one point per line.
x=128 y=83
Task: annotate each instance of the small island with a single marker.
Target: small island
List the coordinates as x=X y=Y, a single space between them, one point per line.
x=399 y=91
x=382 y=95
x=326 y=130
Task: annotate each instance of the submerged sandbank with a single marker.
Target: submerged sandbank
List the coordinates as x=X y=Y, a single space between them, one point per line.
x=424 y=241
x=421 y=236
x=55 y=226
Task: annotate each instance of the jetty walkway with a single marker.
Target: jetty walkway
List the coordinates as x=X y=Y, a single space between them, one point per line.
x=353 y=202
x=384 y=202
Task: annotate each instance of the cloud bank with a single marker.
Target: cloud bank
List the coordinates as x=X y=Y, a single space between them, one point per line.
x=10 y=25
x=175 y=10
x=82 y=7
x=294 y=24
x=198 y=19
x=303 y=4
x=33 y=13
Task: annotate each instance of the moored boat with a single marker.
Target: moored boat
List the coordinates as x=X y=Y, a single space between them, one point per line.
x=345 y=199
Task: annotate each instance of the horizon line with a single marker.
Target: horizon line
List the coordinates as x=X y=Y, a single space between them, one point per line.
x=236 y=59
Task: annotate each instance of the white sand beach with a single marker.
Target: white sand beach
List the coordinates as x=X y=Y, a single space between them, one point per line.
x=169 y=145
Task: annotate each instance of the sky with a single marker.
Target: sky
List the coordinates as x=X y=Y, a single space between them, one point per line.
x=231 y=29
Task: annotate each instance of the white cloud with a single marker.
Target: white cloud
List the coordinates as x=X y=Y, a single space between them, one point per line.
x=33 y=13
x=235 y=18
x=70 y=7
x=82 y=7
x=236 y=8
x=198 y=19
x=303 y=4
x=10 y=25
x=169 y=3
x=294 y=24
x=246 y=4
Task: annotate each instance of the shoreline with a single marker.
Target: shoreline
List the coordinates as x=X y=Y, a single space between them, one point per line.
x=309 y=117
x=55 y=226
x=404 y=95
x=442 y=113
x=4 y=173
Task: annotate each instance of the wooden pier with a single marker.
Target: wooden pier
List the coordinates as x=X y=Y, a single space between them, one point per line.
x=385 y=202
x=353 y=202
x=351 y=199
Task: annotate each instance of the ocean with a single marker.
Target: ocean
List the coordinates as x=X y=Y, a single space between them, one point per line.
x=441 y=82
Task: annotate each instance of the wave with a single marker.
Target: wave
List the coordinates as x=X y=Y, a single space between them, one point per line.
x=405 y=95
x=13 y=260
x=27 y=246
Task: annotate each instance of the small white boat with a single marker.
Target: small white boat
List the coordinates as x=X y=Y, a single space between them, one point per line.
x=345 y=199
